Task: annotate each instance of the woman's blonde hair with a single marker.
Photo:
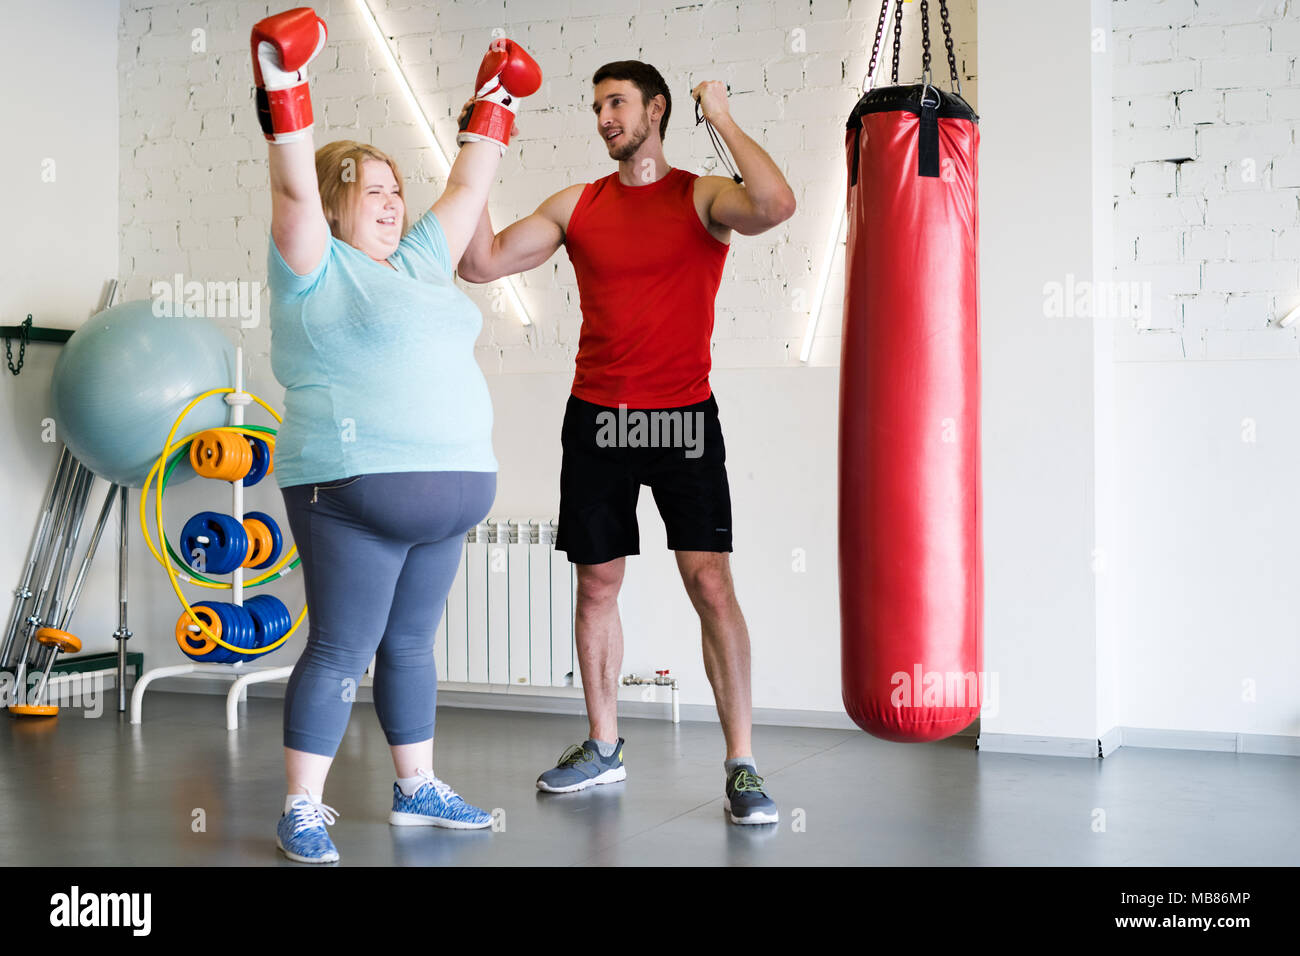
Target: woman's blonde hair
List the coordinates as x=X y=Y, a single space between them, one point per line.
x=338 y=174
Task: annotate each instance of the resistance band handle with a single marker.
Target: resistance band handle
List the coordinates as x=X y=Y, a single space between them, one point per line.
x=718 y=146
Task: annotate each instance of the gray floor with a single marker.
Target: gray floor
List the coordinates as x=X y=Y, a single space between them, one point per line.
x=103 y=793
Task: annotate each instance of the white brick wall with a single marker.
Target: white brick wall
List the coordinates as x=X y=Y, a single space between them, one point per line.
x=1214 y=83
x=193 y=162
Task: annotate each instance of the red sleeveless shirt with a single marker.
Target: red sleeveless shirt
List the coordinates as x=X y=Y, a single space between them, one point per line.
x=648 y=272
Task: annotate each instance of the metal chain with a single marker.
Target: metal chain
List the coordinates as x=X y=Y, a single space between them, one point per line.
x=947 y=39
x=22 y=347
x=898 y=35
x=880 y=33
x=925 y=40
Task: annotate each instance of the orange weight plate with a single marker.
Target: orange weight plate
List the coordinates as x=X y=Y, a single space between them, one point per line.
x=197 y=644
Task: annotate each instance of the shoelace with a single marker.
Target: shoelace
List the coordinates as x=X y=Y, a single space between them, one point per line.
x=444 y=792
x=744 y=780
x=574 y=755
x=308 y=814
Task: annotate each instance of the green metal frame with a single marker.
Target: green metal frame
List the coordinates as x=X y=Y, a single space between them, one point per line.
x=96 y=662
x=35 y=333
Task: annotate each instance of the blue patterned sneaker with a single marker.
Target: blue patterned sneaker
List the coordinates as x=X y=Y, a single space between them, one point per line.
x=301 y=832
x=435 y=804
x=582 y=766
x=745 y=800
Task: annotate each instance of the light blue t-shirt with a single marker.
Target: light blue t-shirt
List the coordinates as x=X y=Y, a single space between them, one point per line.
x=378 y=365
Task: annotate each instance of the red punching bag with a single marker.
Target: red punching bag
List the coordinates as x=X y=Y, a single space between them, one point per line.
x=911 y=568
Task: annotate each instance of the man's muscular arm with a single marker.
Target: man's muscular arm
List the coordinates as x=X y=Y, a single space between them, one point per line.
x=521 y=246
x=765 y=199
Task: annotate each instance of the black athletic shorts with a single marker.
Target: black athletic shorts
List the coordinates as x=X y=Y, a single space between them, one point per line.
x=609 y=453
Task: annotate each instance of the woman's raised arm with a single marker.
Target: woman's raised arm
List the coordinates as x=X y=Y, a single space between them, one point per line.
x=282 y=46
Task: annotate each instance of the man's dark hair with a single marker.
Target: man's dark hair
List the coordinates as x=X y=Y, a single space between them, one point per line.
x=647 y=79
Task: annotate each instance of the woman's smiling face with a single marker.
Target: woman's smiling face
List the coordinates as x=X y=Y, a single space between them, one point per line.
x=375 y=226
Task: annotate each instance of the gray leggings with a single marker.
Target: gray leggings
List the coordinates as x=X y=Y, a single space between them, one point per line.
x=379 y=553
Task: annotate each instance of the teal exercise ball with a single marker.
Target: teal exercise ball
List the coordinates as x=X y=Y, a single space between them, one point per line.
x=122 y=379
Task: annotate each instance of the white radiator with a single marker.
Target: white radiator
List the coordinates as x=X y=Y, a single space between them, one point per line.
x=509 y=614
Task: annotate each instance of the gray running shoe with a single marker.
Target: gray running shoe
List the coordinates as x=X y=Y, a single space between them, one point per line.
x=581 y=766
x=745 y=800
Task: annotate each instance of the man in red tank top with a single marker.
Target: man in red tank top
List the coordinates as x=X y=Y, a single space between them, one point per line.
x=648 y=244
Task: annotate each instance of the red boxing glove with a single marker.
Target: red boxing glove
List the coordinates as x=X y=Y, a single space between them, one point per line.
x=506 y=74
x=283 y=45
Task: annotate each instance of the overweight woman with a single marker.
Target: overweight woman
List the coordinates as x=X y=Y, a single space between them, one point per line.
x=385 y=456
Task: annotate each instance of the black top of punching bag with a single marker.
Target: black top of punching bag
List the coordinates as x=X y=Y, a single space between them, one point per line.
x=936 y=104
x=890 y=99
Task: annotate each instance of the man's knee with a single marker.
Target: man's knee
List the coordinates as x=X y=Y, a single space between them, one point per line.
x=710 y=586
x=598 y=585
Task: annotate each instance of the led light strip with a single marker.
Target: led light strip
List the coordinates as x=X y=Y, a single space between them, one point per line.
x=832 y=241
x=381 y=42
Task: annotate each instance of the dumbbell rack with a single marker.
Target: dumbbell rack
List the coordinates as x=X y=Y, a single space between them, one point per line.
x=242 y=674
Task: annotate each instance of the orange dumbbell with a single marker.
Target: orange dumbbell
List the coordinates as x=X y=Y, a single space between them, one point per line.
x=223 y=455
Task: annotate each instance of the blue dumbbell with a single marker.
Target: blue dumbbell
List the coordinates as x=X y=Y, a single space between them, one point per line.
x=214 y=543
x=261 y=461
